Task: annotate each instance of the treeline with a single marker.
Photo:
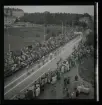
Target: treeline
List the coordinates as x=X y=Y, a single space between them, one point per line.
x=53 y=18
x=90 y=39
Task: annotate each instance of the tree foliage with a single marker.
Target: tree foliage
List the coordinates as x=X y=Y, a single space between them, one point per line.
x=53 y=18
x=90 y=39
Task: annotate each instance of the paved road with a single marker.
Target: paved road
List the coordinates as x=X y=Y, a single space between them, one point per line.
x=57 y=92
x=22 y=85
x=22 y=74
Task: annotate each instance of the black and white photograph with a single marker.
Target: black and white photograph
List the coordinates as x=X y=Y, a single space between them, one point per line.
x=49 y=52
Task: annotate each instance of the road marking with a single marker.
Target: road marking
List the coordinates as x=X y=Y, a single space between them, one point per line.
x=24 y=74
x=29 y=84
x=28 y=76
x=34 y=72
x=18 y=78
x=36 y=79
x=33 y=81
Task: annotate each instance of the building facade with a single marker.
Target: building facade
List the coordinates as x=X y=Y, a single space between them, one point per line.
x=22 y=24
x=13 y=12
x=17 y=13
x=19 y=24
x=28 y=24
x=9 y=20
x=10 y=15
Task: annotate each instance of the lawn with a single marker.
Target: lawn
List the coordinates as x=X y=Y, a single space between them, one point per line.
x=86 y=70
x=24 y=36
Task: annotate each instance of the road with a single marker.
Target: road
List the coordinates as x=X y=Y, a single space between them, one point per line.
x=10 y=92
x=22 y=74
x=58 y=93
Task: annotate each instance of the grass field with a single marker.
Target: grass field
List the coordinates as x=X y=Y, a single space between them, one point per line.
x=86 y=70
x=24 y=36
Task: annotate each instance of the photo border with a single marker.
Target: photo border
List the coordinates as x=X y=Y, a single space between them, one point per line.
x=59 y=100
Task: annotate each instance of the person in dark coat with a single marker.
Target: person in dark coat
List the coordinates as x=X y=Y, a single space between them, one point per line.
x=76 y=78
x=42 y=84
x=68 y=94
x=77 y=93
x=68 y=80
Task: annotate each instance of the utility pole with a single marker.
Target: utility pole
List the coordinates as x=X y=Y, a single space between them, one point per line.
x=65 y=27
x=9 y=43
x=65 y=30
x=8 y=38
x=72 y=23
x=62 y=28
x=44 y=32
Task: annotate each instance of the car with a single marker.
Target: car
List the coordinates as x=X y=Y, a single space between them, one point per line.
x=83 y=89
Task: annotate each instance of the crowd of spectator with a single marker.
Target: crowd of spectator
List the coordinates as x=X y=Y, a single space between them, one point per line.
x=52 y=76
x=17 y=60
x=82 y=51
x=49 y=77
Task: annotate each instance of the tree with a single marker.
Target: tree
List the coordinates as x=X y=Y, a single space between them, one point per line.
x=90 y=39
x=83 y=24
x=51 y=18
x=86 y=15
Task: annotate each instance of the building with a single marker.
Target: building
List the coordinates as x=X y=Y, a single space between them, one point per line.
x=17 y=13
x=8 y=20
x=14 y=12
x=10 y=15
x=19 y=24
x=22 y=24
x=28 y=24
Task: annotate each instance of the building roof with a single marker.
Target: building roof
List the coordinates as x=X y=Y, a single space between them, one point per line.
x=14 y=9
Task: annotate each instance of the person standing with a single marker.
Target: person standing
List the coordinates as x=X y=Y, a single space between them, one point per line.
x=77 y=93
x=68 y=93
x=76 y=78
x=27 y=69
